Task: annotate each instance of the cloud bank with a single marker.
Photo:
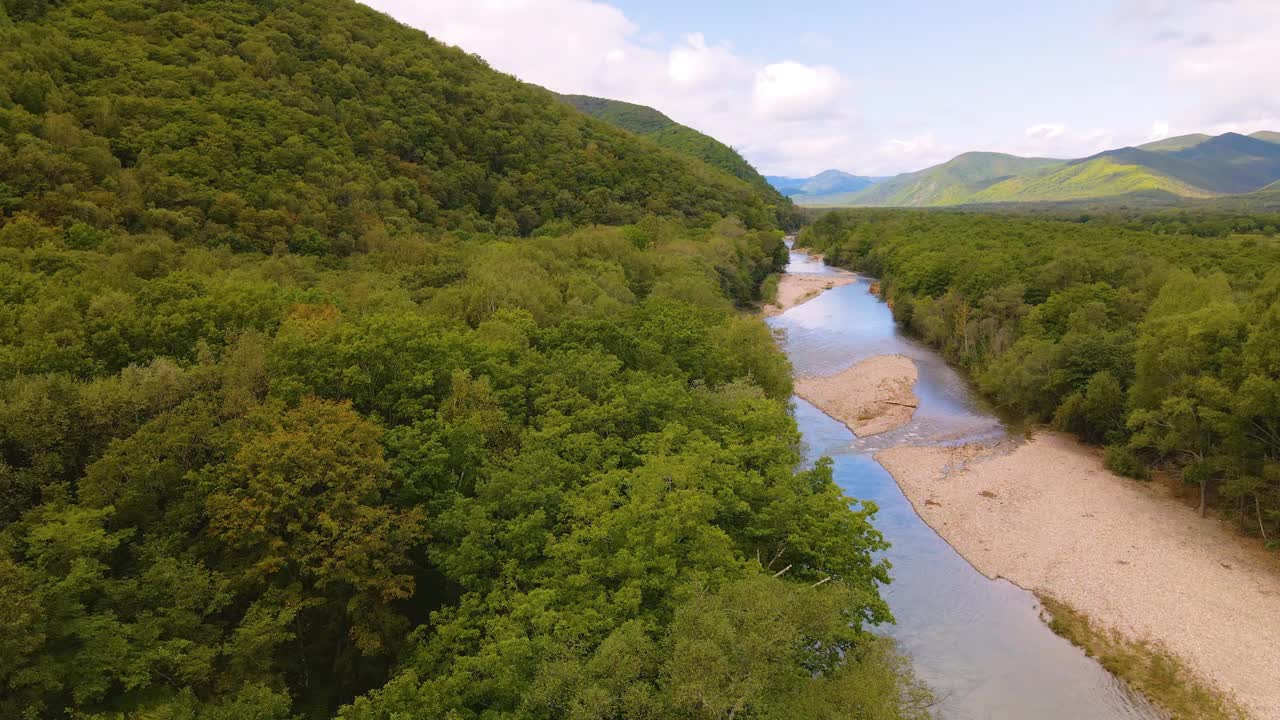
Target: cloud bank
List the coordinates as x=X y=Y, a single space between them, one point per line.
x=1223 y=53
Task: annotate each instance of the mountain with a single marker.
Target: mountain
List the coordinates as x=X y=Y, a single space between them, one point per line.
x=666 y=132
x=1102 y=176
x=337 y=368
x=1180 y=142
x=1227 y=164
x=415 y=136
x=828 y=182
x=952 y=182
x=1190 y=166
x=1267 y=135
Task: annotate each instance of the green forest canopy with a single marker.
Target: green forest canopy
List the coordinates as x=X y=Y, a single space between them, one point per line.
x=664 y=131
x=246 y=125
x=321 y=392
x=1155 y=335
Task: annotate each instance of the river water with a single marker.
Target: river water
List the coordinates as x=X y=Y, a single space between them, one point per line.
x=979 y=643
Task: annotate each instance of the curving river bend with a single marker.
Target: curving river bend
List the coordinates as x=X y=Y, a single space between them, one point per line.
x=979 y=643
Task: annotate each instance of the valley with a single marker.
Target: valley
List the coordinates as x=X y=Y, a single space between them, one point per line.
x=393 y=360
x=980 y=643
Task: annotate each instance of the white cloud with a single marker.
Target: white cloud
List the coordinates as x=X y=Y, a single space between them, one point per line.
x=785 y=116
x=1046 y=131
x=565 y=42
x=790 y=90
x=916 y=152
x=1224 y=51
x=911 y=146
x=1159 y=131
x=1055 y=139
x=695 y=64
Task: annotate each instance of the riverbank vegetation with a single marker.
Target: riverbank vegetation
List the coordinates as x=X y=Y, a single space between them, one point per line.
x=342 y=375
x=1156 y=336
x=1146 y=667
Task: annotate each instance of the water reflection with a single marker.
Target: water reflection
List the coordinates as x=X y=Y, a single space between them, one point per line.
x=979 y=643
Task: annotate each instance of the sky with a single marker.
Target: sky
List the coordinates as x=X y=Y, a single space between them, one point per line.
x=874 y=87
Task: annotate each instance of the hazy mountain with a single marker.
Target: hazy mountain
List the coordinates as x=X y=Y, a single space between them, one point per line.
x=952 y=182
x=1188 y=166
x=824 y=183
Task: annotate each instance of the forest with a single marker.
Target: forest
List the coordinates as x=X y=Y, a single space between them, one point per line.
x=320 y=126
x=1154 y=335
x=664 y=131
x=341 y=376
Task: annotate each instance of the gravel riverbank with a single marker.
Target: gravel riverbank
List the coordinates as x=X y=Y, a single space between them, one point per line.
x=871 y=397
x=1047 y=515
x=796 y=289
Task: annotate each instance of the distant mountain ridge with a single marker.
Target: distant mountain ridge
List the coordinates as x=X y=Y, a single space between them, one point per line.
x=953 y=181
x=827 y=182
x=1187 y=166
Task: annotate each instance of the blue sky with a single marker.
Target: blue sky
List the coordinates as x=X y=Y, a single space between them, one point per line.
x=880 y=87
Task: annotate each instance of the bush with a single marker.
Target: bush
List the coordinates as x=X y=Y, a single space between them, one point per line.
x=1126 y=462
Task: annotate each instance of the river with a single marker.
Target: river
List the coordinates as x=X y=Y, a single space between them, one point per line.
x=979 y=643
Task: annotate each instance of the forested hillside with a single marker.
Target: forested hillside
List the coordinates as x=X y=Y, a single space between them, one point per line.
x=245 y=126
x=673 y=136
x=1156 y=336
x=321 y=393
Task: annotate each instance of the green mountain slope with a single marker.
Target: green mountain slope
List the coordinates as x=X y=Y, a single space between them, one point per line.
x=1226 y=164
x=355 y=123
x=1180 y=142
x=955 y=181
x=1267 y=135
x=1099 y=177
x=666 y=132
x=1191 y=166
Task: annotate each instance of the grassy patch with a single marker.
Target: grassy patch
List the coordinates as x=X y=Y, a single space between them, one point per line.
x=1146 y=667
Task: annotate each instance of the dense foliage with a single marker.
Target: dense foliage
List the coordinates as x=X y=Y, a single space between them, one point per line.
x=293 y=422
x=239 y=485
x=321 y=126
x=1158 y=337
x=673 y=136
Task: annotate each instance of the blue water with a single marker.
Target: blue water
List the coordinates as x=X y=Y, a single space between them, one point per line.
x=979 y=643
